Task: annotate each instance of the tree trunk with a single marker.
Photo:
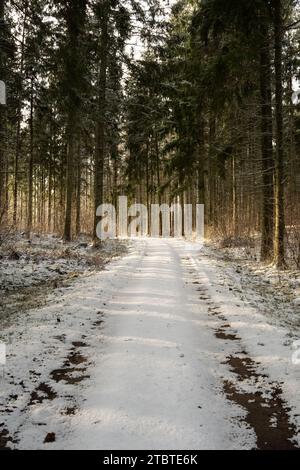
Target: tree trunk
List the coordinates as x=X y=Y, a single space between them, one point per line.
x=18 y=131
x=101 y=122
x=30 y=167
x=266 y=148
x=279 y=245
x=69 y=185
x=212 y=171
x=78 y=194
x=2 y=118
x=76 y=17
x=201 y=159
x=234 y=199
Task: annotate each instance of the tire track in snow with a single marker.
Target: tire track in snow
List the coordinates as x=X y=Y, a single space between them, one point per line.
x=267 y=412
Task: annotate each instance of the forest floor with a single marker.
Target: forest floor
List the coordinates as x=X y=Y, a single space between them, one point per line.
x=33 y=269
x=166 y=347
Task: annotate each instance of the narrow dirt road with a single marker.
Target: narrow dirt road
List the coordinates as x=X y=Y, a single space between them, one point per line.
x=171 y=364
x=156 y=384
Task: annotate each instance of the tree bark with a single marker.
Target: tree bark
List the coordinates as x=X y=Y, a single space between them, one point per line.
x=18 y=129
x=266 y=148
x=30 y=167
x=101 y=121
x=76 y=22
x=69 y=184
x=2 y=116
x=78 y=193
x=279 y=242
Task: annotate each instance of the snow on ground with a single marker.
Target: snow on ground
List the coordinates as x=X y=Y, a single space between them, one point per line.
x=30 y=269
x=156 y=351
x=267 y=339
x=274 y=293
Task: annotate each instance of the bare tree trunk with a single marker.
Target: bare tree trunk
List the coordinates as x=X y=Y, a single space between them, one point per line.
x=279 y=246
x=18 y=131
x=234 y=199
x=2 y=117
x=78 y=194
x=62 y=190
x=101 y=123
x=51 y=184
x=201 y=163
x=69 y=184
x=212 y=170
x=30 y=167
x=50 y=177
x=158 y=190
x=267 y=149
x=76 y=17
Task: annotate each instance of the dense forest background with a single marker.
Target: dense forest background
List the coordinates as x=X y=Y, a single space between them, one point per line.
x=162 y=101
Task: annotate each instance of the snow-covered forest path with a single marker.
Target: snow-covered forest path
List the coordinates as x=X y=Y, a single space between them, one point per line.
x=163 y=356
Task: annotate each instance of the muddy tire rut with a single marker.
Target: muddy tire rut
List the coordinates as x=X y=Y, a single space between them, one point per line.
x=266 y=411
